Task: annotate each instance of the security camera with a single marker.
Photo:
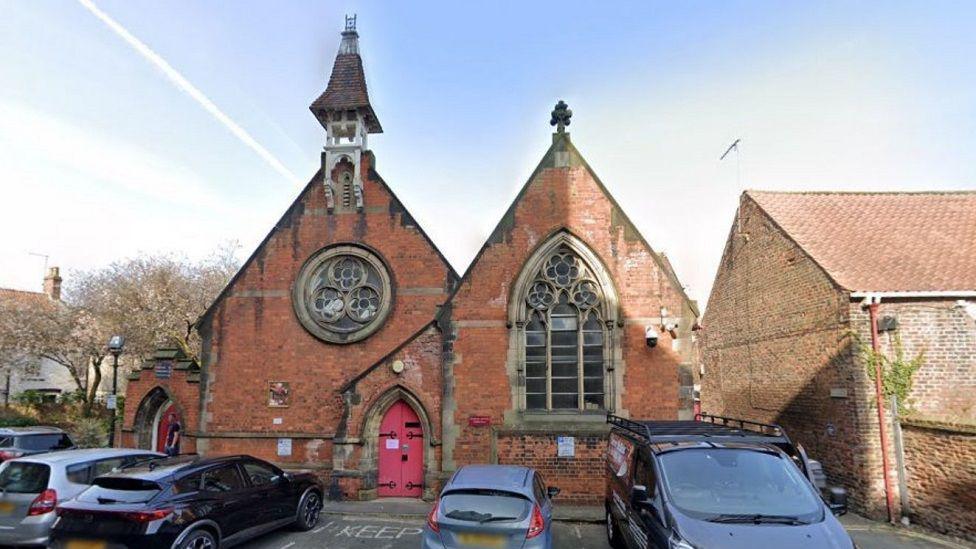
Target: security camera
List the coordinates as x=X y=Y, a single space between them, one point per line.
x=672 y=329
x=651 y=336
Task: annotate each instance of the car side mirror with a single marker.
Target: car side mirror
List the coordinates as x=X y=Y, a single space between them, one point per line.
x=837 y=500
x=552 y=492
x=638 y=495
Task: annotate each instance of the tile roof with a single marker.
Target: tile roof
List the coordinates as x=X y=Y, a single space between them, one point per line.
x=23 y=296
x=883 y=242
x=347 y=90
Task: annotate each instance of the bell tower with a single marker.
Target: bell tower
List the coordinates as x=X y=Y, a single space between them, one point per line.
x=348 y=118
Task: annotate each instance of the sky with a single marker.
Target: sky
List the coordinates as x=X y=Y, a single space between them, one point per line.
x=132 y=127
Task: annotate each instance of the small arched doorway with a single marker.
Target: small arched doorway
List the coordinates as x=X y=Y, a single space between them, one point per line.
x=401 y=453
x=154 y=417
x=166 y=418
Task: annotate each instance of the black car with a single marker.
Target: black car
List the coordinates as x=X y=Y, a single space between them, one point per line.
x=188 y=502
x=18 y=442
x=716 y=482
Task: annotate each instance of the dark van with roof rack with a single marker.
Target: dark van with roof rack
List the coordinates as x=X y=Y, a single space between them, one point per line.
x=716 y=482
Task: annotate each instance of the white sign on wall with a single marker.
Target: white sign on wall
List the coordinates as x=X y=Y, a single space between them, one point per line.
x=284 y=446
x=565 y=446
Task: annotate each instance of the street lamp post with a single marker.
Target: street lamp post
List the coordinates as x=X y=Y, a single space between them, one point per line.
x=115 y=345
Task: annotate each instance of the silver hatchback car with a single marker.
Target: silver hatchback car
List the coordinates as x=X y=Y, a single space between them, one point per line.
x=492 y=506
x=31 y=488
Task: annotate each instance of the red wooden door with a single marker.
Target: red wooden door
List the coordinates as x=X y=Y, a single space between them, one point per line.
x=165 y=420
x=401 y=449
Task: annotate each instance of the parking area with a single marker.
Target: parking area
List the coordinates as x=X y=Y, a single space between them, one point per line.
x=342 y=532
x=350 y=531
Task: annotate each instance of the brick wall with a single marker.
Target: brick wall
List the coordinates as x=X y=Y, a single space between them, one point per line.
x=779 y=337
x=776 y=342
x=579 y=478
x=252 y=335
x=147 y=392
x=454 y=368
x=941 y=472
x=562 y=195
x=945 y=335
x=944 y=386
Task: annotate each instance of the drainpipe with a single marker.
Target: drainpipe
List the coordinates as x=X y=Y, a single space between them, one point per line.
x=872 y=303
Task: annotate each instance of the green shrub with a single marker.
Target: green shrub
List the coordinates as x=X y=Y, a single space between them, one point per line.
x=30 y=398
x=897 y=373
x=89 y=432
x=12 y=418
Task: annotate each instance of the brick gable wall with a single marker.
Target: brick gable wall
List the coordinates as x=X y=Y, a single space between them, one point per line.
x=776 y=341
x=252 y=336
x=779 y=337
x=479 y=373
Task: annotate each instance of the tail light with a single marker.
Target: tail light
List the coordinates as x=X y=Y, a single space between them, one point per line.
x=432 y=517
x=147 y=516
x=537 y=525
x=45 y=502
x=133 y=516
x=9 y=454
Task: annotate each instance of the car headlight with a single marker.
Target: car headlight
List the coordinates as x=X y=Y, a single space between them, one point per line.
x=675 y=542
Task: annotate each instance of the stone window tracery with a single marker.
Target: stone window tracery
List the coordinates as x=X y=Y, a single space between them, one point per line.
x=565 y=338
x=342 y=294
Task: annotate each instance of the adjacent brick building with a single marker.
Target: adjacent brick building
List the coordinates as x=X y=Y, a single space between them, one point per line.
x=788 y=319
x=348 y=344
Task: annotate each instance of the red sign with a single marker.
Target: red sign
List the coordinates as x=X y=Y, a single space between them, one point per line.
x=479 y=421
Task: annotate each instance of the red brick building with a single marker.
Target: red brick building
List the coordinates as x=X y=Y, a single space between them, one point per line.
x=348 y=344
x=787 y=324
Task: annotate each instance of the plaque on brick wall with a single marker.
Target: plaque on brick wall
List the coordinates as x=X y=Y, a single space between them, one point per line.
x=479 y=421
x=565 y=446
x=164 y=369
x=284 y=447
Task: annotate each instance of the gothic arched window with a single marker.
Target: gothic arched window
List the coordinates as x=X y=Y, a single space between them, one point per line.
x=565 y=337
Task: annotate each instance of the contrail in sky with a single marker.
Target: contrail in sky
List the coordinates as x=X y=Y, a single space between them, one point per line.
x=182 y=83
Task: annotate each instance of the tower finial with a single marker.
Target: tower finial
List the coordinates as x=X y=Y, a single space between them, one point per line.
x=560 y=116
x=350 y=38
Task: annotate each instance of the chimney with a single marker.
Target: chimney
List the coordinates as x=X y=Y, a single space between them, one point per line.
x=52 y=284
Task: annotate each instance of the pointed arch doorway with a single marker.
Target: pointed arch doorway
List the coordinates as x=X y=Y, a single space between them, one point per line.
x=401 y=453
x=154 y=419
x=165 y=419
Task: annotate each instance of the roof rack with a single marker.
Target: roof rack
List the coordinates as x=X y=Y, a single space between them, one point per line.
x=706 y=427
x=743 y=424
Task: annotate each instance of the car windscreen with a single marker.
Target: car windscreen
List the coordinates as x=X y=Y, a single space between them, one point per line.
x=484 y=505
x=24 y=477
x=727 y=484
x=109 y=490
x=43 y=443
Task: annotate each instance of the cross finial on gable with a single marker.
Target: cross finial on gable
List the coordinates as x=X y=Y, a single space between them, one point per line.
x=560 y=116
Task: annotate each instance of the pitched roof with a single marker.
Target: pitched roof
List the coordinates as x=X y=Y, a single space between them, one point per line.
x=22 y=296
x=373 y=176
x=562 y=144
x=882 y=242
x=347 y=91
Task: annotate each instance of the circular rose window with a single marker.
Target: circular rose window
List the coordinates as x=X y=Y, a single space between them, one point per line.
x=342 y=294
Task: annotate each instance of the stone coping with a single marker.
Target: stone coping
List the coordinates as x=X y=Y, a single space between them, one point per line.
x=958 y=427
x=260 y=434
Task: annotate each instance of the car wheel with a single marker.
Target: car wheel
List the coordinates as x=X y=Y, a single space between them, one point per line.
x=199 y=539
x=308 y=511
x=613 y=535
